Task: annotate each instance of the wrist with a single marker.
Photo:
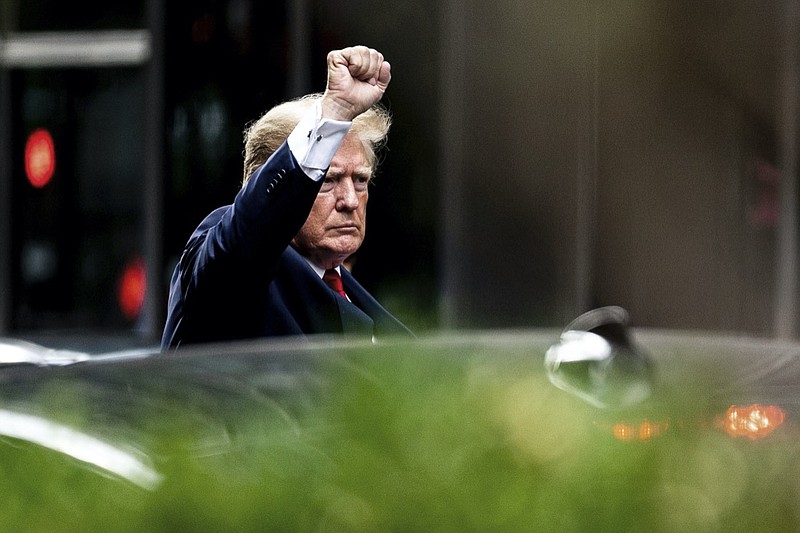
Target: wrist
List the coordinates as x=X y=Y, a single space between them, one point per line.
x=334 y=109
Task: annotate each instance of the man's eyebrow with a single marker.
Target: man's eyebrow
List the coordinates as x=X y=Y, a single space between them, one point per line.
x=365 y=171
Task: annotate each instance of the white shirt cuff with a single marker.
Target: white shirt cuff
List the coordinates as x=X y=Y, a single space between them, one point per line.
x=315 y=140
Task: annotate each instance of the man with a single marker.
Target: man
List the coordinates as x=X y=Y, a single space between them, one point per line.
x=262 y=266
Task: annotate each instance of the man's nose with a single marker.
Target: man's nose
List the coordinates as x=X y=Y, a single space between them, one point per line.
x=346 y=197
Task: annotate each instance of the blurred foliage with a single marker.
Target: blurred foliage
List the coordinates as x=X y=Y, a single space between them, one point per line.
x=452 y=439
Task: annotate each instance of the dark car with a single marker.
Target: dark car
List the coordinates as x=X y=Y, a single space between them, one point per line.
x=467 y=431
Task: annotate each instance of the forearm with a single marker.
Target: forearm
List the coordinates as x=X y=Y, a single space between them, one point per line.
x=271 y=208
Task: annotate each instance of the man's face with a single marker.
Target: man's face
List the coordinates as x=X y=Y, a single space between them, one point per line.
x=336 y=226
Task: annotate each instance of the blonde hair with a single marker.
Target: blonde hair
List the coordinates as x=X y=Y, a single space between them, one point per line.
x=264 y=136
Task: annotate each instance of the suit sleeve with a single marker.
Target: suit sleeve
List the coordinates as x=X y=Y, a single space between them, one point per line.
x=230 y=259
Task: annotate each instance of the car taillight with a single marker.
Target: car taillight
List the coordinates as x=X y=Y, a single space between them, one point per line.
x=752 y=421
x=641 y=431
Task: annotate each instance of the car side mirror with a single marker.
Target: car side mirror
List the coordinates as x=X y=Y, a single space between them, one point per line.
x=597 y=360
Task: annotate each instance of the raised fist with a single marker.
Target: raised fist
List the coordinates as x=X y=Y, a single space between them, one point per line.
x=357 y=78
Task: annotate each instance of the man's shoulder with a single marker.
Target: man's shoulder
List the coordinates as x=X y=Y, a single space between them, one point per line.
x=212 y=218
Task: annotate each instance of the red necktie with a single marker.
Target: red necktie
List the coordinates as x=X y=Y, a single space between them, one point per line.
x=334 y=281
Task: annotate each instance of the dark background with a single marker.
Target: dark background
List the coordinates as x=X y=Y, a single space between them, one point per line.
x=545 y=157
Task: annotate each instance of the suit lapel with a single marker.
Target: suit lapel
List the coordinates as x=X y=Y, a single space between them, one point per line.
x=384 y=322
x=323 y=311
x=354 y=320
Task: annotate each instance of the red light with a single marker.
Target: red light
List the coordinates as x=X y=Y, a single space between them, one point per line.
x=40 y=158
x=132 y=288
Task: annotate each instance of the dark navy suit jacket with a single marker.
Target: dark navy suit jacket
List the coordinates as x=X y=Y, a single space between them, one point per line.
x=238 y=278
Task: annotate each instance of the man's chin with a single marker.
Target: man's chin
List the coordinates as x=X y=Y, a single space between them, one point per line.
x=342 y=248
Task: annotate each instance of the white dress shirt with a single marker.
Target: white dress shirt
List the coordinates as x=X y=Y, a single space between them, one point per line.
x=315 y=140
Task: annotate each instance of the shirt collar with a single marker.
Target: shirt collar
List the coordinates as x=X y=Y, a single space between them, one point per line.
x=318 y=269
